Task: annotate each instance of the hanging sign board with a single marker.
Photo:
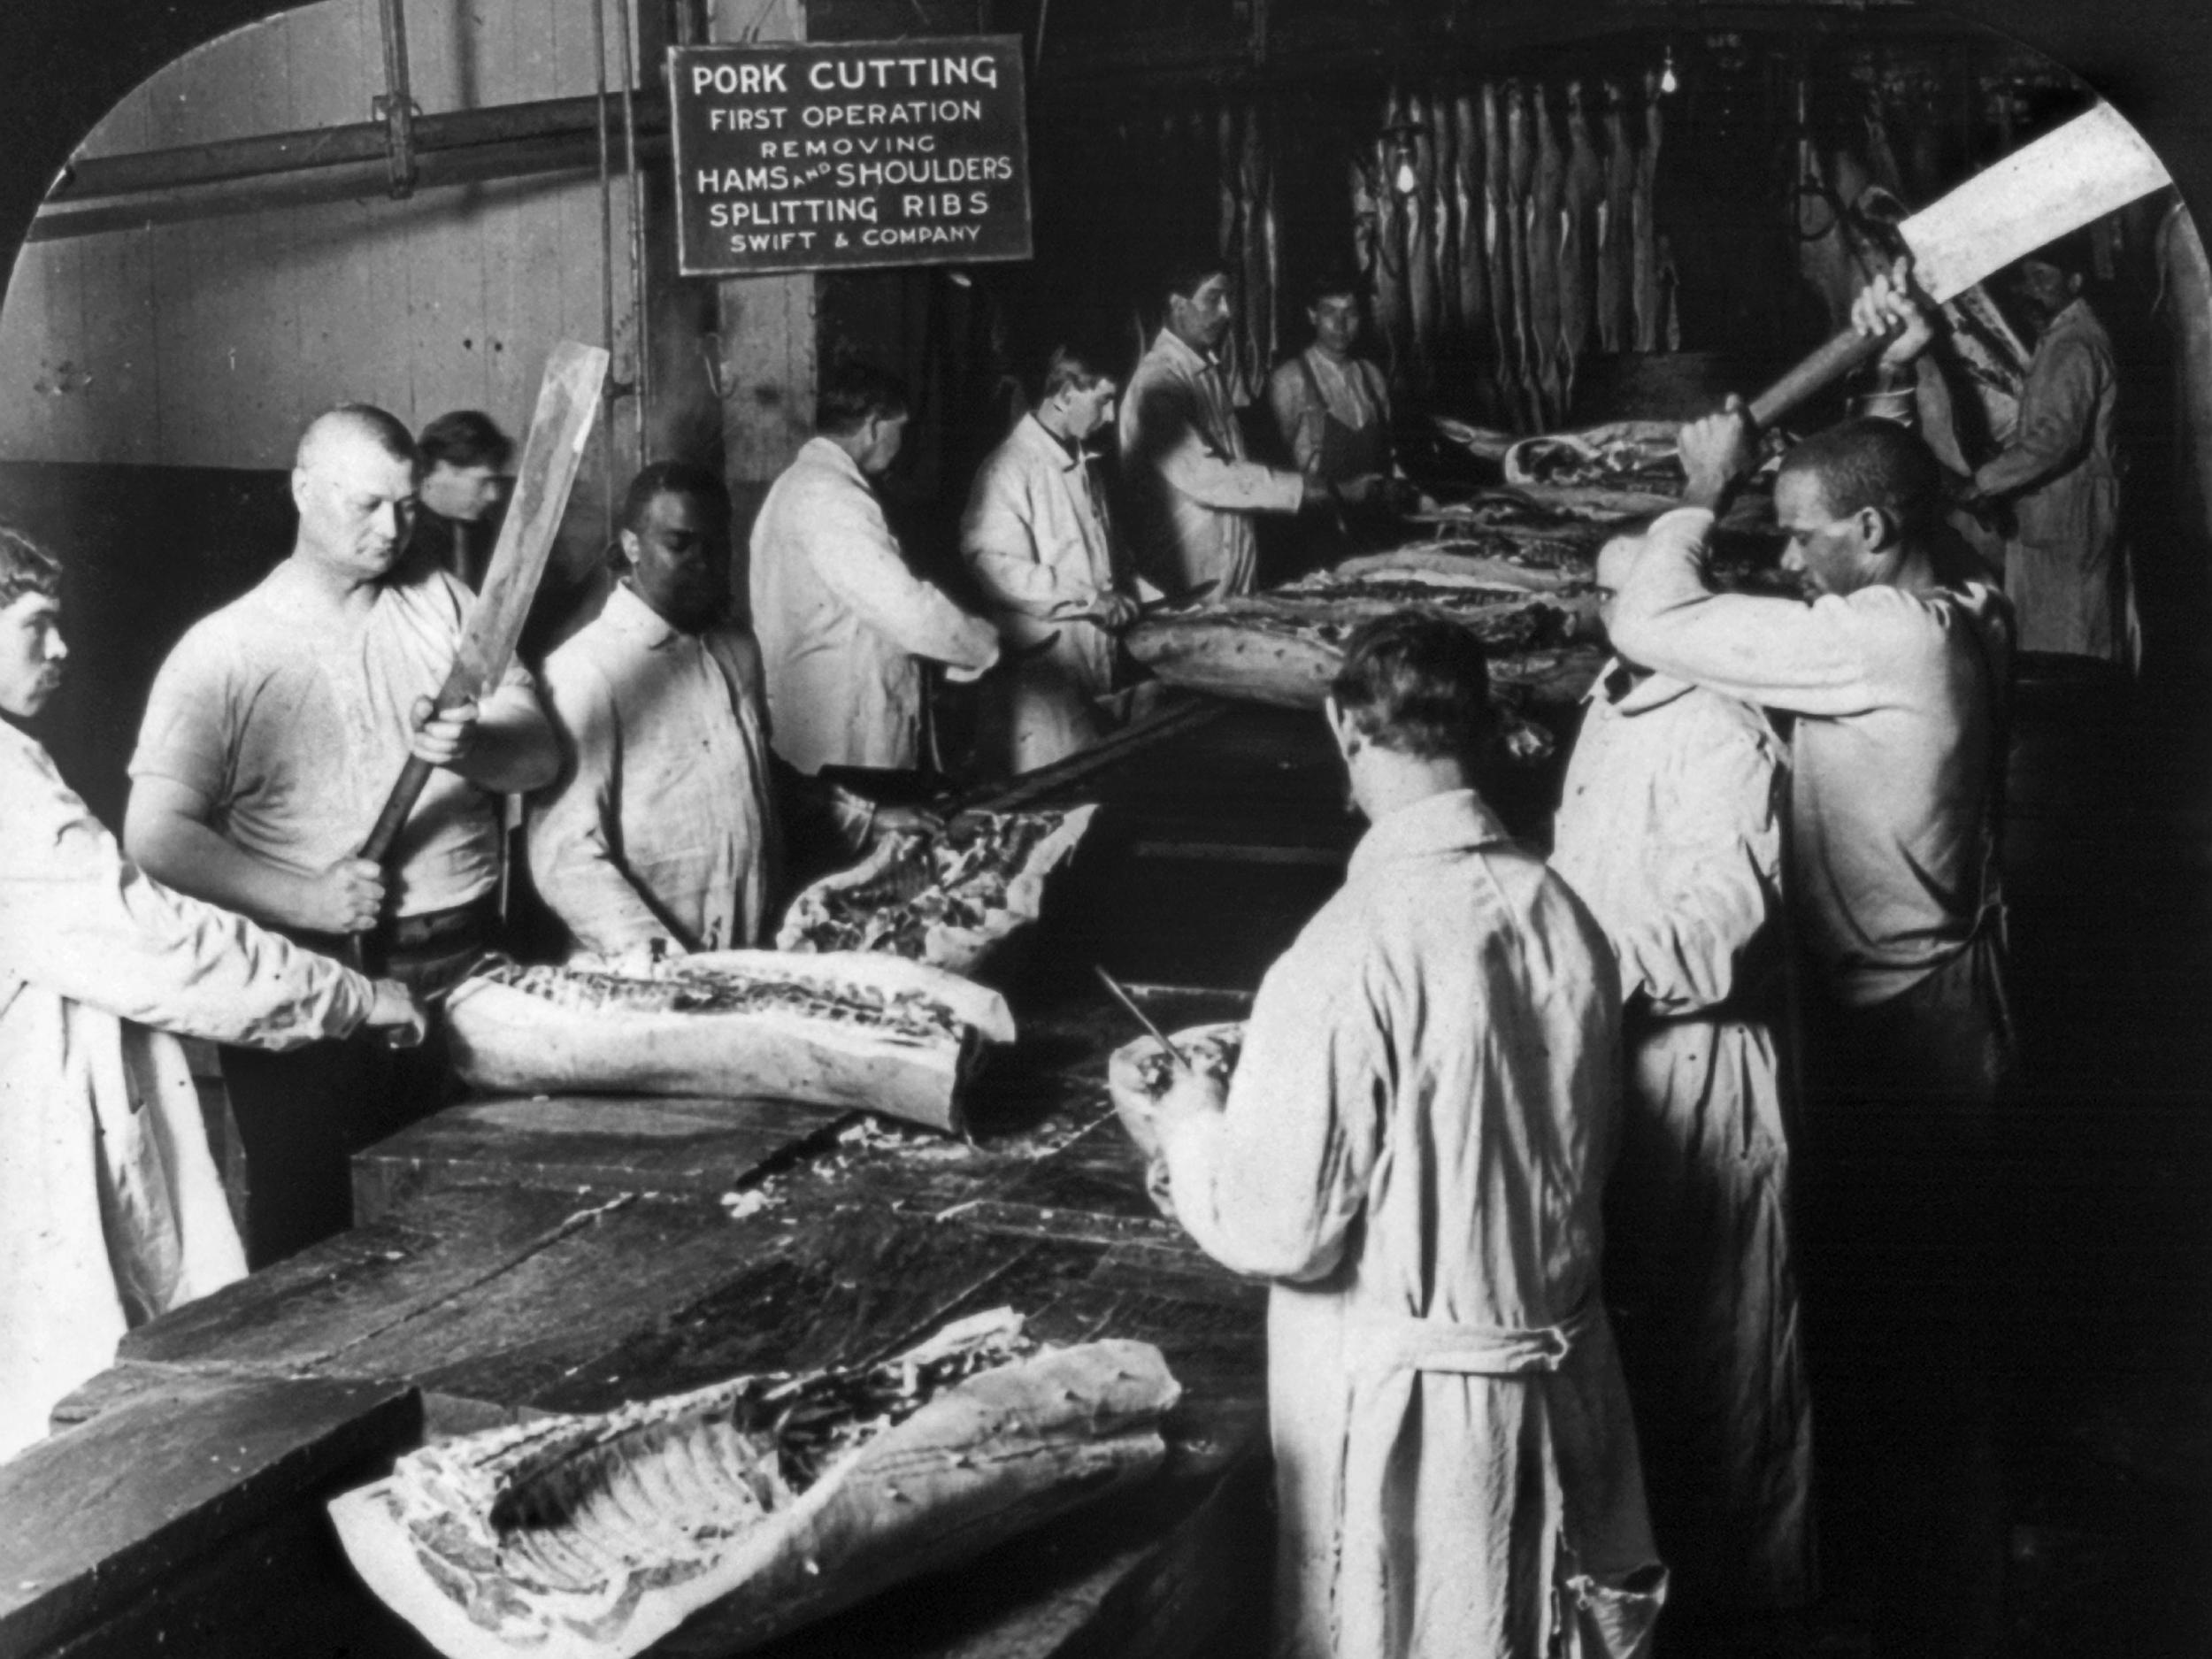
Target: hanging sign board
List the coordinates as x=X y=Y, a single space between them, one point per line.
x=832 y=155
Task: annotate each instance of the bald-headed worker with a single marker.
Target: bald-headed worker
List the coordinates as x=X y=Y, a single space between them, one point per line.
x=275 y=730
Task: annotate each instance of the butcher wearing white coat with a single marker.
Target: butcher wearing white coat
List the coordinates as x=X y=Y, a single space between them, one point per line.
x=844 y=625
x=1412 y=1150
x=1190 y=488
x=1038 y=538
x=665 y=830
x=1670 y=829
x=111 y=1208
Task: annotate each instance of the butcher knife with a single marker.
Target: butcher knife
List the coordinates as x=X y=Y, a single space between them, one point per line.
x=568 y=399
x=2090 y=166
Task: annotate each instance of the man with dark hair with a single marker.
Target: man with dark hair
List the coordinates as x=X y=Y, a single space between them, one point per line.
x=2058 y=472
x=1413 y=1148
x=1331 y=407
x=662 y=832
x=274 y=732
x=1670 y=829
x=1896 y=673
x=1038 y=538
x=1191 y=489
x=464 y=456
x=844 y=624
x=111 y=1208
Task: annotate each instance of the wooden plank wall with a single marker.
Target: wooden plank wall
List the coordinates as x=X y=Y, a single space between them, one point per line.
x=767 y=323
x=211 y=343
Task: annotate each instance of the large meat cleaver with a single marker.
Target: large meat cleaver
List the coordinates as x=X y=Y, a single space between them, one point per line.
x=2094 y=163
x=568 y=398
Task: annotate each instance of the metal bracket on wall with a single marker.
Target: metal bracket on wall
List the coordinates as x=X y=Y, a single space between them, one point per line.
x=398 y=115
x=396 y=108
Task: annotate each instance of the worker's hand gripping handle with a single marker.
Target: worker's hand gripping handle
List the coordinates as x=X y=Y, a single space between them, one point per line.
x=460 y=687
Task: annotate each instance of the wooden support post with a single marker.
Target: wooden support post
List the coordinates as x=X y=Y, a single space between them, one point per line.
x=764 y=356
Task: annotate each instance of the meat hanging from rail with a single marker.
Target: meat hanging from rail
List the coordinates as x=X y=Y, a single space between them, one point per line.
x=1256 y=187
x=1577 y=242
x=1520 y=146
x=1648 y=321
x=1617 y=229
x=1443 y=193
x=1498 y=244
x=1359 y=178
x=1421 y=244
x=1393 y=303
x=1228 y=173
x=1547 y=194
x=1474 y=268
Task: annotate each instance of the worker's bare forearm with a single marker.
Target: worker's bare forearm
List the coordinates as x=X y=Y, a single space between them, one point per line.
x=189 y=856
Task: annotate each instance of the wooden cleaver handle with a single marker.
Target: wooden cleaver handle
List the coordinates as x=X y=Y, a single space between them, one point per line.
x=459 y=687
x=1841 y=354
x=397 y=805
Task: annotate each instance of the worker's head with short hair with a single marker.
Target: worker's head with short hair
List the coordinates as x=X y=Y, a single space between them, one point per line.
x=353 y=480
x=1333 y=309
x=863 y=411
x=1198 y=302
x=31 y=647
x=1416 y=688
x=463 y=454
x=1856 y=500
x=2046 y=282
x=1077 y=398
x=25 y=567
x=675 y=543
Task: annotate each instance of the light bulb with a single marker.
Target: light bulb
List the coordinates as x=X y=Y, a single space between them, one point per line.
x=1667 y=82
x=1404 y=178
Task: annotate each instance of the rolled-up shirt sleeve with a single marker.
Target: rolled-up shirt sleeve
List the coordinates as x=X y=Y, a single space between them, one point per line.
x=81 y=919
x=1808 y=659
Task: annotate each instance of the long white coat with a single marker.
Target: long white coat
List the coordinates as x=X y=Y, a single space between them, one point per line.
x=840 y=620
x=1413 y=1149
x=1036 y=536
x=1670 y=830
x=110 y=1209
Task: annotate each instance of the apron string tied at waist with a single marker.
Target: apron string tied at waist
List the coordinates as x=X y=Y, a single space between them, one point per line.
x=1385 y=1342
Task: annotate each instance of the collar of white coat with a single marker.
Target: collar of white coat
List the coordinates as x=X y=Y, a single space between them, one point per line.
x=628 y=614
x=1031 y=434
x=1180 y=352
x=1651 y=691
x=827 y=452
x=1456 y=820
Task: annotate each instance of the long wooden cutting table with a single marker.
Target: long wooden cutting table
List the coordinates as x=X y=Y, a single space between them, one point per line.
x=513 y=1256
